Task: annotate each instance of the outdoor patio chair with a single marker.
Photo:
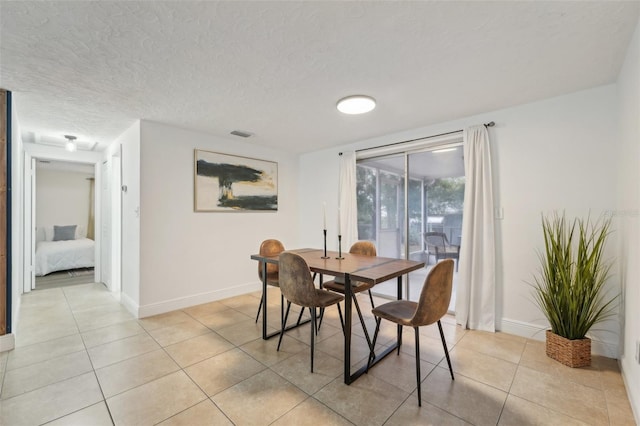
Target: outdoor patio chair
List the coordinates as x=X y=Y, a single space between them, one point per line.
x=438 y=245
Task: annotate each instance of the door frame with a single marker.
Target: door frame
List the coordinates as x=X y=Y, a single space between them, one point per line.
x=31 y=153
x=113 y=219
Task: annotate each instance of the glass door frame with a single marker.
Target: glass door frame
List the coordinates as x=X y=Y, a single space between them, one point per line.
x=451 y=142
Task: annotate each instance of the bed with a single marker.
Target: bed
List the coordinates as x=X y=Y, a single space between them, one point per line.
x=60 y=254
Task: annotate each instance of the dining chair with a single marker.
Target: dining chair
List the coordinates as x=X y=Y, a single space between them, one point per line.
x=430 y=308
x=269 y=247
x=366 y=248
x=297 y=286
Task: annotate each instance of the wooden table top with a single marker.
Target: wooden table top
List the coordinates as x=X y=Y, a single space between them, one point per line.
x=371 y=269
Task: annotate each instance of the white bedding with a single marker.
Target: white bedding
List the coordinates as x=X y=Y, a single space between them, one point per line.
x=54 y=256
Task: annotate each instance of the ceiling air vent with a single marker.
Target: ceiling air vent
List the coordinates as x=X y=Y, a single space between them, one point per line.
x=241 y=133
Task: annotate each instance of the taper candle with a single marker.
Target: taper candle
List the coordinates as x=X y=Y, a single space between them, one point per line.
x=339 y=226
x=324 y=211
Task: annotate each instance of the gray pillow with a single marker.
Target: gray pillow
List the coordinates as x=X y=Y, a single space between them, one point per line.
x=63 y=233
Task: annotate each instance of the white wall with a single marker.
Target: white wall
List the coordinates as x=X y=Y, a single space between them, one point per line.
x=557 y=154
x=62 y=198
x=186 y=257
x=628 y=215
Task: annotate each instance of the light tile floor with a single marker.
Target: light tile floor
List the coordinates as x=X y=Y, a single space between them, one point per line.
x=81 y=359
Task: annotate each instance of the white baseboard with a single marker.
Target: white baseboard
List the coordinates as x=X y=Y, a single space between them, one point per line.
x=536 y=332
x=151 y=309
x=520 y=328
x=130 y=305
x=7 y=342
x=116 y=295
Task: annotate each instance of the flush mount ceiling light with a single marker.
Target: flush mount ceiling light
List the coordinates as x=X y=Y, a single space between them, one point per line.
x=356 y=104
x=71 y=143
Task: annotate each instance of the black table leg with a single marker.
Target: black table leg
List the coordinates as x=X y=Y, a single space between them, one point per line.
x=348 y=378
x=399 y=338
x=264 y=301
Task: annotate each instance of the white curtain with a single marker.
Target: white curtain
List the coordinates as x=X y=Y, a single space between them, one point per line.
x=347 y=202
x=475 y=299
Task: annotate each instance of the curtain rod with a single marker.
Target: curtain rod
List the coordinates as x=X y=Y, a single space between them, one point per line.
x=489 y=124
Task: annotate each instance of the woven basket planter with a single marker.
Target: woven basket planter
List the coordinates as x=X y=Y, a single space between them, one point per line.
x=573 y=353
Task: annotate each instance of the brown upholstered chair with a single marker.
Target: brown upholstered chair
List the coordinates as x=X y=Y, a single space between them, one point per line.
x=366 y=248
x=431 y=307
x=269 y=247
x=438 y=245
x=296 y=284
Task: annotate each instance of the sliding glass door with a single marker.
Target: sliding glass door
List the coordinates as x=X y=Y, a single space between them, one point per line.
x=404 y=200
x=381 y=207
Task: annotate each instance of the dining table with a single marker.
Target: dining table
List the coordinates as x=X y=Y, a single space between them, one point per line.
x=350 y=267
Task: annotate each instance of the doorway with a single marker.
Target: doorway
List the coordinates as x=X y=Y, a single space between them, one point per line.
x=64 y=224
x=32 y=154
x=405 y=198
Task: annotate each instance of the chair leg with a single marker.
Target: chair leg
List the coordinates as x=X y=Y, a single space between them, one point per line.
x=371 y=298
x=341 y=319
x=418 y=366
x=372 y=354
x=320 y=319
x=446 y=351
x=284 y=324
x=259 y=309
x=300 y=316
x=399 y=338
x=281 y=309
x=313 y=328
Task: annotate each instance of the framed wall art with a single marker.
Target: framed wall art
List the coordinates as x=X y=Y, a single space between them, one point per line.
x=230 y=183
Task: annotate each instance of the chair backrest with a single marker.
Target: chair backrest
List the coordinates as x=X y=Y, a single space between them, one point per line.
x=436 y=239
x=435 y=295
x=296 y=282
x=270 y=248
x=366 y=248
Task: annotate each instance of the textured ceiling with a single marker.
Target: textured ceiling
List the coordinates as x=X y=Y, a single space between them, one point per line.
x=276 y=69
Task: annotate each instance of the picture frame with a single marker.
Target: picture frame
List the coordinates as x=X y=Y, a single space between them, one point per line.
x=232 y=183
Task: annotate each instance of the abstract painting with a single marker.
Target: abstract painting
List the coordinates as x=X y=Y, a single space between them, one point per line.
x=229 y=183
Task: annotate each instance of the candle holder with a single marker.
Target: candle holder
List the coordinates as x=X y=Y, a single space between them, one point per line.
x=324 y=231
x=339 y=248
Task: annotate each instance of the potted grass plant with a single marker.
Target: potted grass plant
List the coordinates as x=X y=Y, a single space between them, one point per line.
x=569 y=288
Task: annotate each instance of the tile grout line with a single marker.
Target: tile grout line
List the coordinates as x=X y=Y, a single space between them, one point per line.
x=182 y=369
x=543 y=407
x=68 y=378
x=4 y=374
x=504 y=404
x=95 y=374
x=270 y=367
